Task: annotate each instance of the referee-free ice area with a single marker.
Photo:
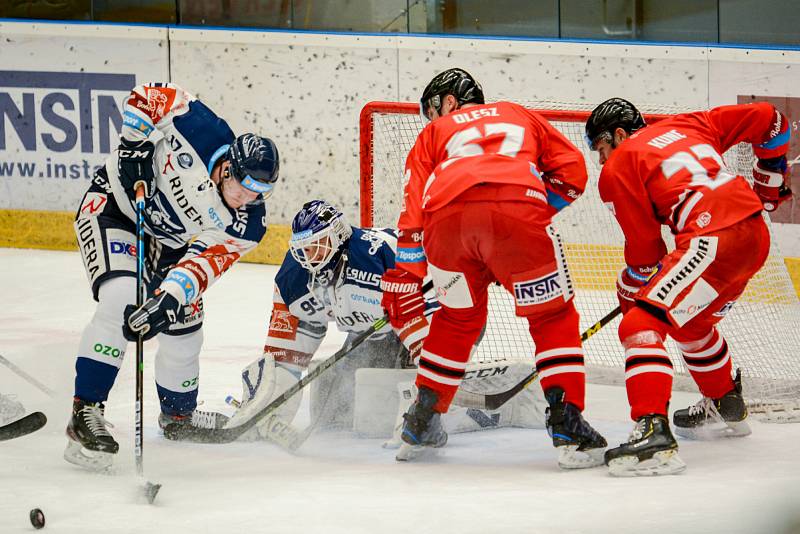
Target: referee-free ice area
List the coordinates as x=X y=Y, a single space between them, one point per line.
x=493 y=481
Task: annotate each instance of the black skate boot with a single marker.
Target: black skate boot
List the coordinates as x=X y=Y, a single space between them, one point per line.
x=89 y=444
x=578 y=444
x=650 y=450
x=422 y=427
x=715 y=418
x=191 y=426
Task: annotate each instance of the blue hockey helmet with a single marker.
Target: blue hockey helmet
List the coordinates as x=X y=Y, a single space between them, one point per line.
x=254 y=163
x=319 y=231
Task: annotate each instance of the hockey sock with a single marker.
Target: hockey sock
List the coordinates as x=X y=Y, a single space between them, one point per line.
x=446 y=350
x=648 y=369
x=709 y=363
x=102 y=346
x=177 y=368
x=559 y=355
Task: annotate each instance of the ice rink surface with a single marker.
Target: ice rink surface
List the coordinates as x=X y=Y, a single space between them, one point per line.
x=494 y=481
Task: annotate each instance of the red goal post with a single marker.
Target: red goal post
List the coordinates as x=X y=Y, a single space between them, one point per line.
x=761 y=328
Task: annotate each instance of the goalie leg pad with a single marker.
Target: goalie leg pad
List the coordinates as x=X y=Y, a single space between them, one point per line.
x=263 y=381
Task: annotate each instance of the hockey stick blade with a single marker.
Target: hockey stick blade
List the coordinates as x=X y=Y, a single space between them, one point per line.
x=21 y=427
x=496 y=400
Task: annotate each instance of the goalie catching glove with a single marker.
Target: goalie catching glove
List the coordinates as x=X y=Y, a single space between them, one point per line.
x=402 y=296
x=769 y=182
x=629 y=281
x=153 y=317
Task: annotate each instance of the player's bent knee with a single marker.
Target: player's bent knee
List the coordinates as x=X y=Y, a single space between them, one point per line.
x=113 y=296
x=639 y=328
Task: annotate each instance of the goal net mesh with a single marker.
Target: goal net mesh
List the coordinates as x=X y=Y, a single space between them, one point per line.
x=762 y=328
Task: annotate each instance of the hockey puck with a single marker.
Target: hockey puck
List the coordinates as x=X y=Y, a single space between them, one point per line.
x=37 y=518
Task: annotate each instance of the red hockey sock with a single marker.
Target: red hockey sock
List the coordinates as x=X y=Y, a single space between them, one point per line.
x=709 y=363
x=648 y=369
x=559 y=355
x=446 y=350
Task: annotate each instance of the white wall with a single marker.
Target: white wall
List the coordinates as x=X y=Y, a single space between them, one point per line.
x=305 y=90
x=68 y=83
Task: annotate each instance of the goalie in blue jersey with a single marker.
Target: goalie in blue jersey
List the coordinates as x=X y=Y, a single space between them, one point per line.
x=331 y=274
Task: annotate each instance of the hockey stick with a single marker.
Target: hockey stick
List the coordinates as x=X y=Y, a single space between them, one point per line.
x=21 y=427
x=50 y=393
x=496 y=400
x=176 y=431
x=150 y=489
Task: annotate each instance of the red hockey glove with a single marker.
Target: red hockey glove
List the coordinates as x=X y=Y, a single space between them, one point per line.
x=769 y=182
x=629 y=281
x=402 y=296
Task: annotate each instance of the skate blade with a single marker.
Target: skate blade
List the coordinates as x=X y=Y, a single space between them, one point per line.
x=569 y=457
x=661 y=463
x=99 y=462
x=409 y=452
x=717 y=430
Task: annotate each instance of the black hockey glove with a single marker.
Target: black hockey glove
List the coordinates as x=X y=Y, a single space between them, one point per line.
x=135 y=163
x=155 y=316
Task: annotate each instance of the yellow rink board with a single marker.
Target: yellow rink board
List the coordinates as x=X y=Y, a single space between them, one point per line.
x=592 y=267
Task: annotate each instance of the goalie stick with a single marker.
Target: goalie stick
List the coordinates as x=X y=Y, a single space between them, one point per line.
x=22 y=427
x=176 y=431
x=496 y=400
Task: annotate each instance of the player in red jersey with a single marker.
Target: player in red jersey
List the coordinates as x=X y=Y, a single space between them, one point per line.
x=672 y=173
x=482 y=183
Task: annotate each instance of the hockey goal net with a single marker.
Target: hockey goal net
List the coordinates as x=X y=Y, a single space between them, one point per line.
x=763 y=328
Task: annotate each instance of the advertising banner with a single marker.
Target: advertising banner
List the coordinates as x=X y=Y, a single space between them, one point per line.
x=61 y=95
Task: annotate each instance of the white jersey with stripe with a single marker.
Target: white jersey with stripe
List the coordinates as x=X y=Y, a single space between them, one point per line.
x=186 y=209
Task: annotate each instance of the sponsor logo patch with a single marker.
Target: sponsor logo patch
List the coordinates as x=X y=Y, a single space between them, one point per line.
x=93 y=203
x=544 y=289
x=122 y=247
x=185 y=160
x=282 y=324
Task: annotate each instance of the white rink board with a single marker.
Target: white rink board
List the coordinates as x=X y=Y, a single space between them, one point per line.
x=306 y=90
x=494 y=481
x=61 y=92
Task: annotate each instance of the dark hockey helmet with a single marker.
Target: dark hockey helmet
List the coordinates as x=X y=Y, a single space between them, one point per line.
x=319 y=232
x=254 y=163
x=456 y=82
x=612 y=114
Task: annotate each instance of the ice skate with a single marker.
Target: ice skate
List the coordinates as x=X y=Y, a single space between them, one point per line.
x=651 y=450
x=578 y=444
x=715 y=418
x=422 y=428
x=185 y=427
x=89 y=444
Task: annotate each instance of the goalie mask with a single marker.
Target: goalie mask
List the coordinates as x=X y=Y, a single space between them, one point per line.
x=612 y=114
x=319 y=231
x=456 y=82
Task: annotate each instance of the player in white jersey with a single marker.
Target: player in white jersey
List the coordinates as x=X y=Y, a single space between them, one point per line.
x=332 y=273
x=204 y=209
